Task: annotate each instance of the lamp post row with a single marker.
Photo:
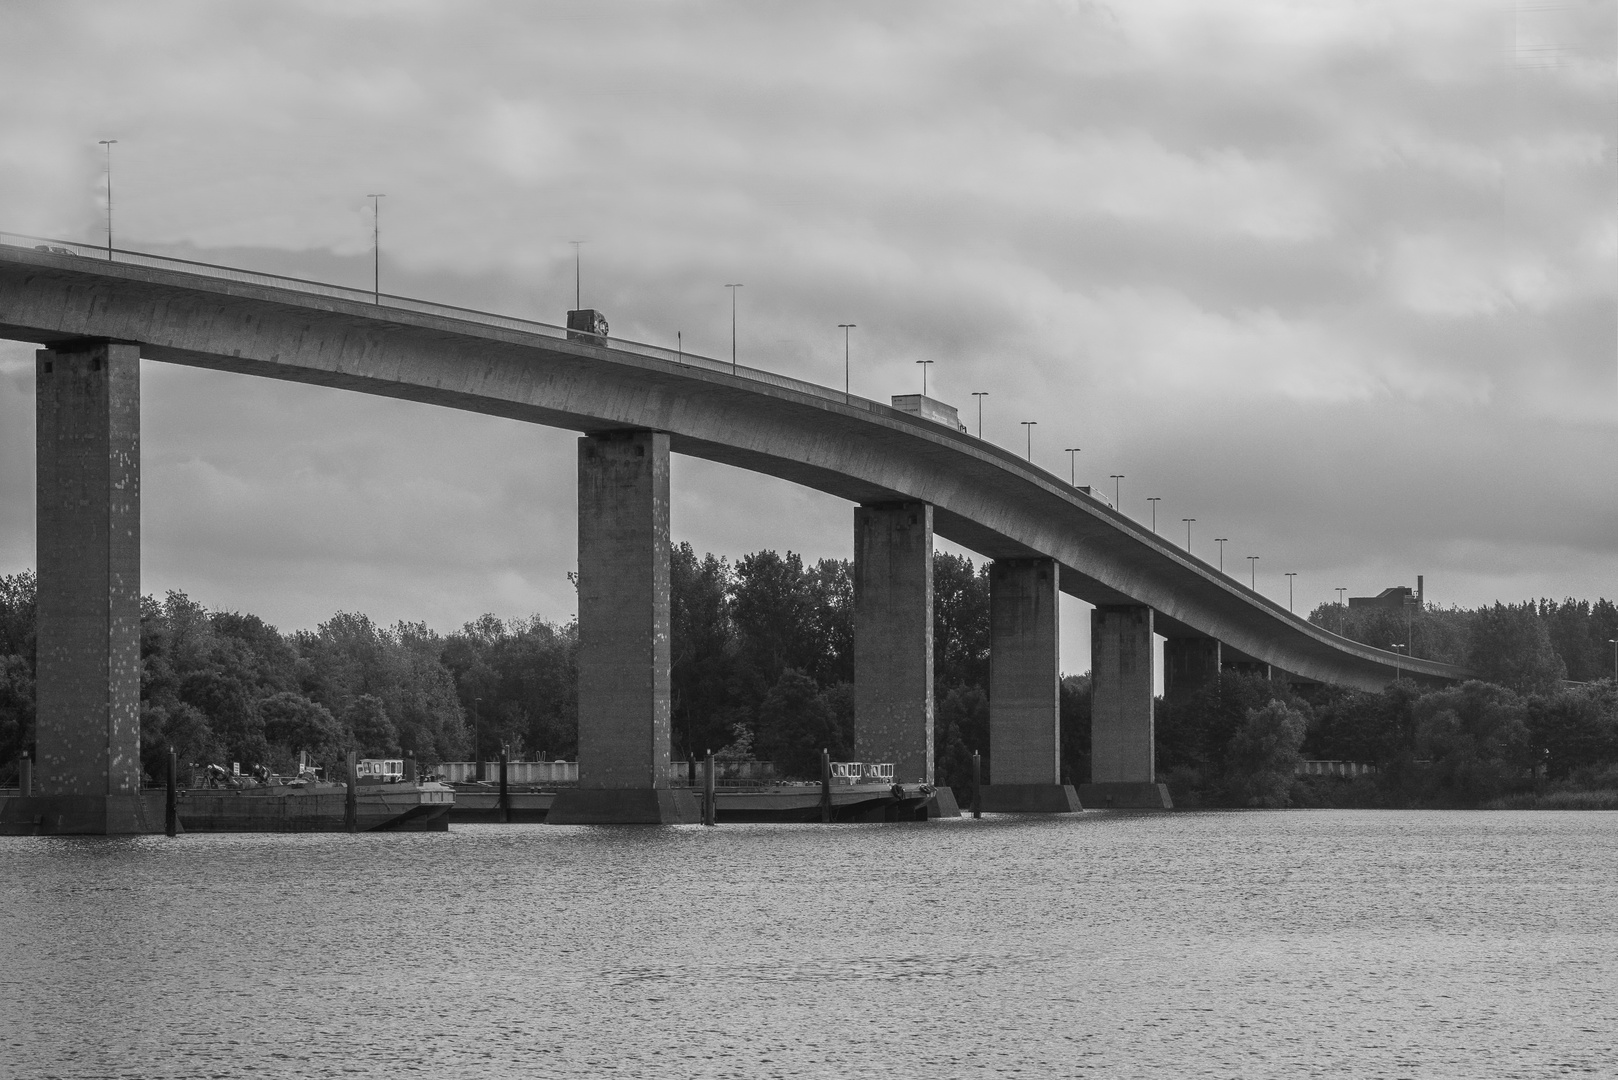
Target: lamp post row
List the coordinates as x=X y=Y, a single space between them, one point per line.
x=578 y=292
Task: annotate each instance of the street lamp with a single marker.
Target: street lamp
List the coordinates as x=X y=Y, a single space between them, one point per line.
x=1340 y=609
x=733 y=289
x=1028 y=426
x=376 y=247
x=1072 y=467
x=924 y=364
x=1154 y=500
x=1221 y=541
x=1398 y=673
x=1614 y=643
x=845 y=327
x=1252 y=566
x=980 y=395
x=1188 y=522
x=1290 y=575
x=1117 y=492
x=108 y=143
x=578 y=275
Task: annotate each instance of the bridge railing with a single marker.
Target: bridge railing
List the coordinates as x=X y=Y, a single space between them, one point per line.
x=424 y=307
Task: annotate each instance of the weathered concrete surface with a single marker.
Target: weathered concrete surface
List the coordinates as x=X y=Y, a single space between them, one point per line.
x=625 y=806
x=1030 y=798
x=893 y=638
x=87 y=432
x=1189 y=664
x=1025 y=738
x=985 y=497
x=1126 y=796
x=82 y=815
x=623 y=629
x=1121 y=720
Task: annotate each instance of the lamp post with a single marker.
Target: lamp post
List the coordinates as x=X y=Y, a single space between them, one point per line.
x=477 y=760
x=1614 y=643
x=845 y=327
x=1221 y=541
x=1290 y=575
x=578 y=274
x=924 y=364
x=1117 y=492
x=1188 y=522
x=108 y=143
x=376 y=247
x=980 y=395
x=1154 y=500
x=1398 y=673
x=1340 y=610
x=733 y=289
x=1252 y=567
x=1028 y=426
x=1072 y=466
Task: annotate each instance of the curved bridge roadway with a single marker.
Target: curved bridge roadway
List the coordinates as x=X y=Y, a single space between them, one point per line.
x=984 y=497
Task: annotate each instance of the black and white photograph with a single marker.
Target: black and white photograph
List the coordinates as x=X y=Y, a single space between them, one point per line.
x=687 y=539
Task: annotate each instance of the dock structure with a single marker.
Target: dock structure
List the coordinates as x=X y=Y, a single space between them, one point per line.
x=906 y=475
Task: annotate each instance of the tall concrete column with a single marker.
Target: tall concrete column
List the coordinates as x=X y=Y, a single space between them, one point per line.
x=1025 y=727
x=893 y=638
x=624 y=637
x=88 y=773
x=1189 y=664
x=1123 y=771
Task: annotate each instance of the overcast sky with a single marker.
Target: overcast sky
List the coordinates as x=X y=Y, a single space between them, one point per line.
x=1336 y=280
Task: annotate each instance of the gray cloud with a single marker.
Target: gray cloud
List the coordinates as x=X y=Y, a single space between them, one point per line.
x=1335 y=280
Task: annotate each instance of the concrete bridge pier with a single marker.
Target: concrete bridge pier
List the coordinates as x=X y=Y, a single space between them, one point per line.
x=624 y=637
x=1189 y=664
x=1025 y=727
x=1123 y=768
x=893 y=638
x=88 y=774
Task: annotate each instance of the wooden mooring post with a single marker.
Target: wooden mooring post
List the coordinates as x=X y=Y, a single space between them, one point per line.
x=351 y=804
x=505 y=790
x=710 y=788
x=171 y=805
x=825 y=785
x=977 y=784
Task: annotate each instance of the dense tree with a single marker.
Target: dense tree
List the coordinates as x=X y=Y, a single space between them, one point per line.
x=960 y=623
x=1476 y=738
x=1575 y=728
x=1511 y=646
x=960 y=727
x=795 y=724
x=1262 y=756
x=1075 y=702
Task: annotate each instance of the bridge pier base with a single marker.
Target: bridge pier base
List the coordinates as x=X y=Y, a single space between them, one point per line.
x=1123 y=768
x=624 y=637
x=893 y=638
x=87 y=777
x=1025 y=725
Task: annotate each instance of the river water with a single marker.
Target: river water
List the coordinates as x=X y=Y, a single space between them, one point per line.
x=1282 y=944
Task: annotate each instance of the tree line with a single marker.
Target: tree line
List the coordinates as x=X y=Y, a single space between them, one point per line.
x=762 y=667
x=1534 y=645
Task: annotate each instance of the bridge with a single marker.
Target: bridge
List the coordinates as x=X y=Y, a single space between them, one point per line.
x=907 y=478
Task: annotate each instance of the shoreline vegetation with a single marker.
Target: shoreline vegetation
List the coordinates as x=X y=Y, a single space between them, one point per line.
x=762 y=669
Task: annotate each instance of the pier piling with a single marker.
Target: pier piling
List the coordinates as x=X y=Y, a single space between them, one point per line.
x=977 y=784
x=710 y=809
x=825 y=785
x=171 y=805
x=351 y=806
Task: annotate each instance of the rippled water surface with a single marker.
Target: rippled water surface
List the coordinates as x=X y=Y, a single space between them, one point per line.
x=1331 y=943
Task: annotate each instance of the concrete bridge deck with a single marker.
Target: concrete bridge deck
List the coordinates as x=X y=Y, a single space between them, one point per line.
x=635 y=404
x=985 y=497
